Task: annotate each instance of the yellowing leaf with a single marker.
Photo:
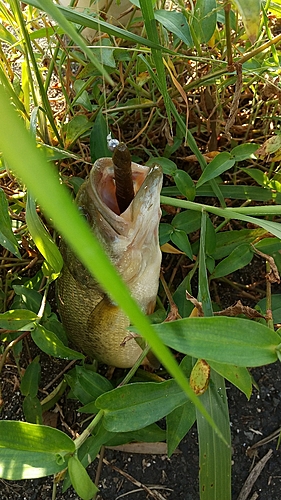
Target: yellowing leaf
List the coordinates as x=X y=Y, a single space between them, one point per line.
x=250 y=13
x=167 y=248
x=200 y=376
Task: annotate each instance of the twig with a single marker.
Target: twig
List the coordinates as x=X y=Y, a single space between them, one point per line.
x=253 y=476
x=152 y=494
x=99 y=468
x=59 y=375
x=250 y=451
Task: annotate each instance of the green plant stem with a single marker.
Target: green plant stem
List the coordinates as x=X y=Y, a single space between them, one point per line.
x=43 y=94
x=87 y=432
x=258 y=50
x=134 y=368
x=222 y=212
x=270 y=322
x=227 y=10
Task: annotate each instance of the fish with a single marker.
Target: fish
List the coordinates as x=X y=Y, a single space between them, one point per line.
x=93 y=322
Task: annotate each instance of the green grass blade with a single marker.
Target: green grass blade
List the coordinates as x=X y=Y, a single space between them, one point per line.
x=214 y=455
x=204 y=292
x=252 y=193
x=30 y=57
x=152 y=33
x=7 y=237
x=54 y=12
x=99 y=25
x=195 y=150
x=228 y=213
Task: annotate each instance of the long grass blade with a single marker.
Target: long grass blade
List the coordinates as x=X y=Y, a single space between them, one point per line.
x=214 y=455
x=99 y=25
x=151 y=30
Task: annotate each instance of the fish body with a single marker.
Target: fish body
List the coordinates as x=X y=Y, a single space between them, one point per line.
x=93 y=322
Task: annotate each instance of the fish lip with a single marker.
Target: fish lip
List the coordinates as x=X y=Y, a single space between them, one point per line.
x=147 y=185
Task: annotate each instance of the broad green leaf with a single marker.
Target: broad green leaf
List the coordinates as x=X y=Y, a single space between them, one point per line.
x=31 y=451
x=240 y=257
x=165 y=231
x=106 y=53
x=180 y=239
x=250 y=11
x=8 y=37
x=258 y=175
x=7 y=237
x=42 y=238
x=187 y=220
x=98 y=139
x=214 y=455
x=275 y=307
x=269 y=246
x=179 y=421
x=48 y=342
x=216 y=167
x=185 y=306
x=204 y=20
x=176 y=23
x=30 y=381
x=80 y=479
x=150 y=434
x=237 y=375
x=244 y=151
x=73 y=129
x=28 y=298
x=17 y=319
x=168 y=166
x=32 y=410
x=235 y=341
x=137 y=405
x=87 y=385
x=227 y=241
x=185 y=184
x=52 y=324
x=82 y=96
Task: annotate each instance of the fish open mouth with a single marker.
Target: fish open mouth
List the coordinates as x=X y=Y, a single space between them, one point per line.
x=104 y=209
x=106 y=186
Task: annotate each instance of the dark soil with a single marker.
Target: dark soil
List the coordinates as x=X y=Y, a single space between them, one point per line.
x=175 y=477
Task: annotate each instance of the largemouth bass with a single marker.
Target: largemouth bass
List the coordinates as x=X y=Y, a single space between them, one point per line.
x=93 y=322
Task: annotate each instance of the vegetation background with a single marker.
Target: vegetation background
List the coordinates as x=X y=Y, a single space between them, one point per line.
x=194 y=87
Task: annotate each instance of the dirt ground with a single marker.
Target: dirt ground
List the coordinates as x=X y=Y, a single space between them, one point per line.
x=138 y=476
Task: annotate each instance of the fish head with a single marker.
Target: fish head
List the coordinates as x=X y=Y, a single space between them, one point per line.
x=130 y=238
